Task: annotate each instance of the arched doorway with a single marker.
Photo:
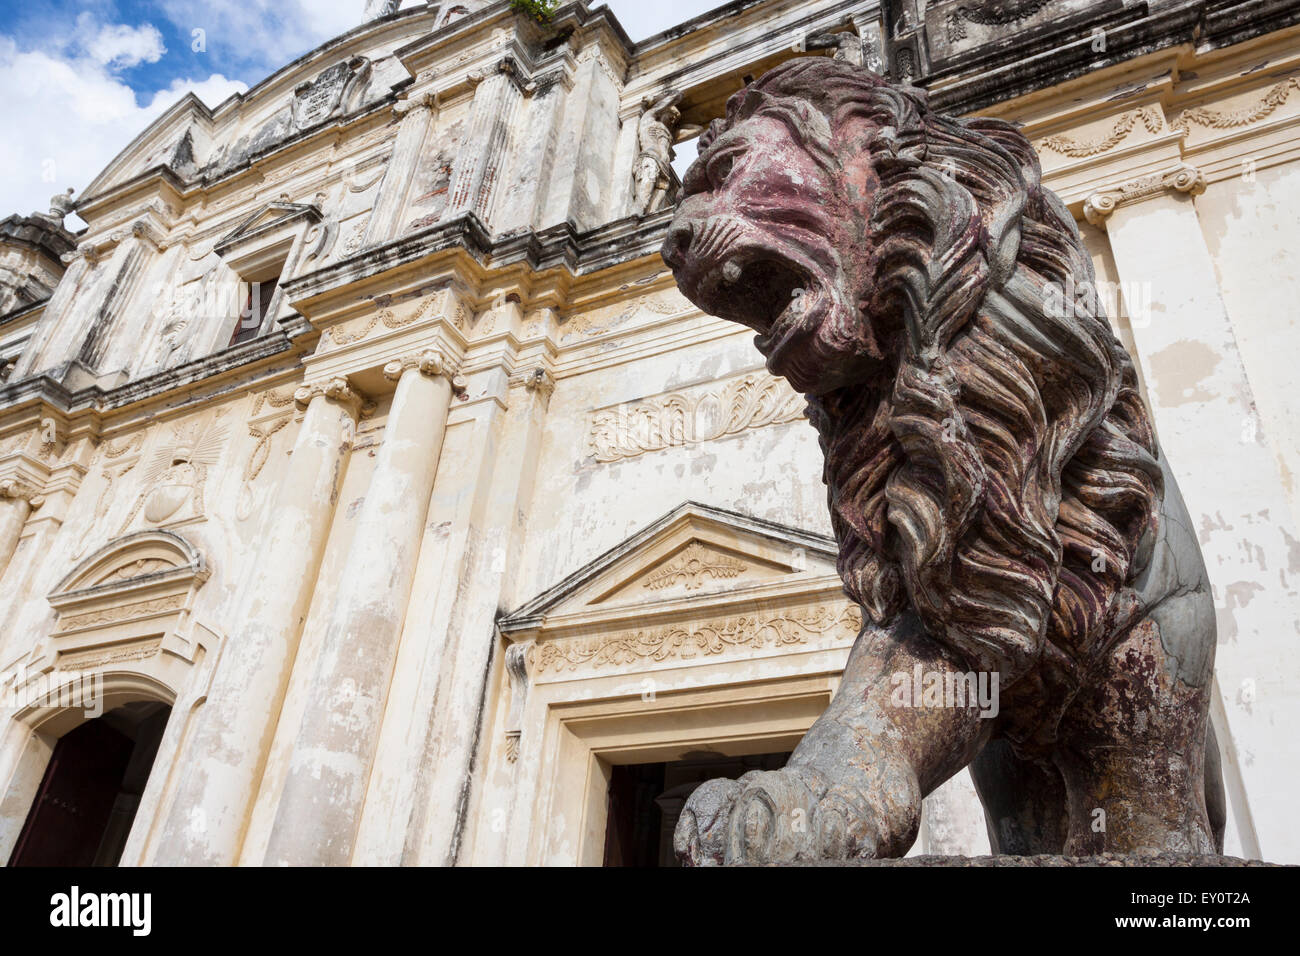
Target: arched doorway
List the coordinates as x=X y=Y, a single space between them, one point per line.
x=87 y=799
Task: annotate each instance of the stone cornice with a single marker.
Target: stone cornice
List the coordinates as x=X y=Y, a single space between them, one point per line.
x=1184 y=179
x=960 y=89
x=48 y=390
x=559 y=247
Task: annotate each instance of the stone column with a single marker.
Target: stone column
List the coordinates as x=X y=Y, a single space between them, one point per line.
x=485 y=146
x=1204 y=414
x=16 y=504
x=319 y=809
x=464 y=659
x=417 y=114
x=226 y=753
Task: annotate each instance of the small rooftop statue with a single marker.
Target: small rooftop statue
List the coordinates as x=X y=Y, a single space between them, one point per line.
x=381 y=8
x=1036 y=604
x=60 y=205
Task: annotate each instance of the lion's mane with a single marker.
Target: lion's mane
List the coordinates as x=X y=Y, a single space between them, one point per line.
x=1001 y=475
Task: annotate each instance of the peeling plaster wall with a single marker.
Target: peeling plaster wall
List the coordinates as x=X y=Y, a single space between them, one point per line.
x=586 y=507
x=1252 y=229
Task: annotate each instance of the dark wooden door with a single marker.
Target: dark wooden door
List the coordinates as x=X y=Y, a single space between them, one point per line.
x=75 y=799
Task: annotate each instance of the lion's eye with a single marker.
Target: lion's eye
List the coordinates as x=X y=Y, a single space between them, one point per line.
x=696 y=179
x=720 y=168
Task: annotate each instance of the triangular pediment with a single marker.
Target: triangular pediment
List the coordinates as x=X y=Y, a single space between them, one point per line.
x=270 y=217
x=696 y=555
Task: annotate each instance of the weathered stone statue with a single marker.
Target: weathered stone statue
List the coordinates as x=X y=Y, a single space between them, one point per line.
x=1035 y=599
x=381 y=8
x=657 y=131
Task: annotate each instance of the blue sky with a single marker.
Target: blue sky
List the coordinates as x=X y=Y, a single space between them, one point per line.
x=81 y=79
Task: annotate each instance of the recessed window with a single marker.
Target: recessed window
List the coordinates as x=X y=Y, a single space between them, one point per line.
x=255 y=303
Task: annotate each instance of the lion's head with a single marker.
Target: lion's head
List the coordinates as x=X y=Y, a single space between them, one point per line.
x=988 y=458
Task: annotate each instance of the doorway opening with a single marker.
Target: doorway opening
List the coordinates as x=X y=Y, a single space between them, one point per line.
x=87 y=799
x=645 y=800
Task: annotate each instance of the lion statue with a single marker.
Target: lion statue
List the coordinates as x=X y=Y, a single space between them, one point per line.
x=999 y=500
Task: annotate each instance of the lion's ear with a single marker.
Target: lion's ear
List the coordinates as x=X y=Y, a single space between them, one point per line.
x=1008 y=136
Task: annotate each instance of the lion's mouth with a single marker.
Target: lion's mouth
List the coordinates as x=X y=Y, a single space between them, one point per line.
x=767 y=294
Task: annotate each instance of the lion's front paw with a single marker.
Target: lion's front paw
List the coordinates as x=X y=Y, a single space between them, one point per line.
x=774 y=816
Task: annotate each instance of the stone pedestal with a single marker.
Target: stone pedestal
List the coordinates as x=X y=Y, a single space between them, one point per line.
x=1047 y=861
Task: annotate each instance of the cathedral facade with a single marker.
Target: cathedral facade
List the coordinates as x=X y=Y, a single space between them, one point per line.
x=369 y=494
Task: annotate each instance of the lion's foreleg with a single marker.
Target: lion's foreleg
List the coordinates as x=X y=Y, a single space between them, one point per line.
x=900 y=724
x=854 y=785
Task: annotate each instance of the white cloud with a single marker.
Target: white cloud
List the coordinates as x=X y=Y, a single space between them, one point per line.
x=263 y=35
x=68 y=113
x=68 y=116
x=119 y=45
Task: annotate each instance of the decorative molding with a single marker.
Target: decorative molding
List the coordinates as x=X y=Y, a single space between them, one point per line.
x=320 y=238
x=124 y=447
x=691 y=416
x=100 y=657
x=1080 y=148
x=1269 y=102
x=518 y=658
x=356 y=238
x=991 y=13
x=390 y=320
x=257 y=459
x=692 y=566
x=415 y=103
x=688 y=640
x=148 y=574
x=136 y=569
x=273 y=398
x=590 y=324
x=1184 y=179
x=121 y=612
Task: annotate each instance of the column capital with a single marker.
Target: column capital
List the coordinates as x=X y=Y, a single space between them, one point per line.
x=336 y=389
x=431 y=362
x=13 y=490
x=419 y=101
x=1182 y=178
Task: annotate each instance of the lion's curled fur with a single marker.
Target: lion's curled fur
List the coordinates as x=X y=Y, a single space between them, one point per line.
x=1000 y=477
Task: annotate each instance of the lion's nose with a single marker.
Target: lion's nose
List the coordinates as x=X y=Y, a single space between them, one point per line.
x=676 y=243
